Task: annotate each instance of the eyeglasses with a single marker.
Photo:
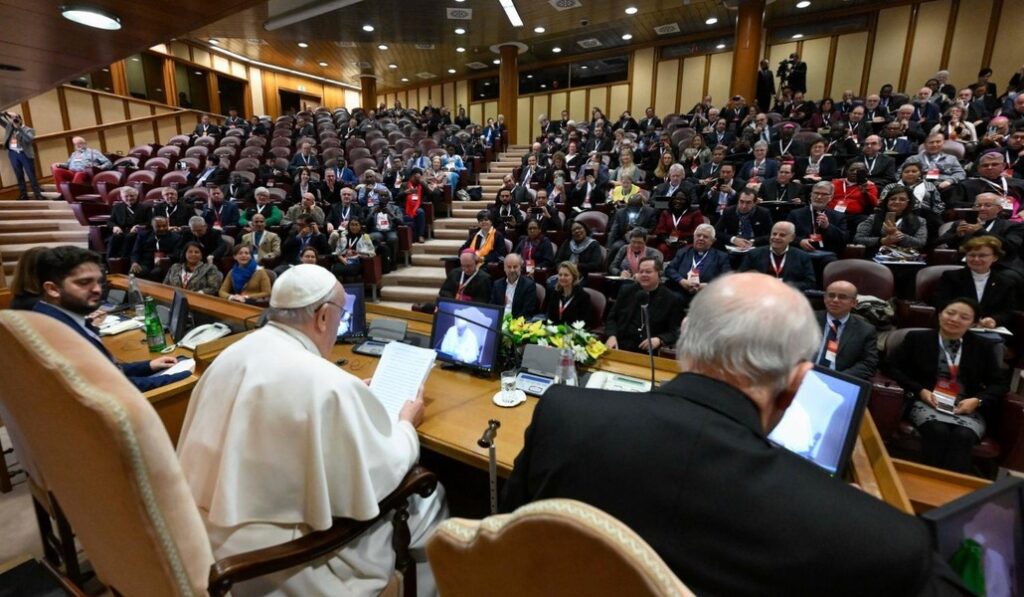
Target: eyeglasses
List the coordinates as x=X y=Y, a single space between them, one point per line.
x=838 y=296
x=341 y=308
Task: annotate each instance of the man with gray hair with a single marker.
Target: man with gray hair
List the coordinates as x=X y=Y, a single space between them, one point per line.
x=278 y=442
x=792 y=267
x=128 y=217
x=690 y=469
x=819 y=229
x=211 y=239
x=78 y=168
x=693 y=268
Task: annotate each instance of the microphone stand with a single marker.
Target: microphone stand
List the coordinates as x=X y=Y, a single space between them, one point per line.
x=645 y=321
x=487 y=441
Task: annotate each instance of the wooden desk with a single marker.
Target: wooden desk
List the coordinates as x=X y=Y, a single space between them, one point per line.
x=458 y=406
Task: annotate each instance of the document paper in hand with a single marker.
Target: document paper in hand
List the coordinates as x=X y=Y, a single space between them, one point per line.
x=399 y=375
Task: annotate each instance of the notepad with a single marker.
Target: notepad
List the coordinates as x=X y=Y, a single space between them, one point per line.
x=400 y=373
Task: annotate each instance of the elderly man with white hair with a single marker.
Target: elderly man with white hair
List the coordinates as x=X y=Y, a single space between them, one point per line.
x=78 y=168
x=793 y=267
x=278 y=441
x=128 y=217
x=690 y=469
x=693 y=268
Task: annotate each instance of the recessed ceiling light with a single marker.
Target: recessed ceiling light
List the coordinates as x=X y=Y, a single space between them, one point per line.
x=136 y=60
x=106 y=70
x=556 y=49
x=803 y=4
x=529 y=76
x=214 y=41
x=543 y=86
x=627 y=36
x=91 y=17
x=711 y=21
x=460 y=49
x=720 y=46
x=631 y=10
x=405 y=79
x=382 y=46
x=584 y=67
x=451 y=71
x=323 y=64
x=798 y=35
x=487 y=83
x=460 y=31
x=539 y=30
x=200 y=73
x=303 y=44
x=367 y=28
x=392 y=65
x=496 y=61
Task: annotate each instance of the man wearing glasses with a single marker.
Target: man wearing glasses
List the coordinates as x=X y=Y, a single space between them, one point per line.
x=850 y=343
x=278 y=441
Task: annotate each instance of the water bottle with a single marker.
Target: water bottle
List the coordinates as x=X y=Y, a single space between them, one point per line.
x=566 y=374
x=154 y=329
x=135 y=297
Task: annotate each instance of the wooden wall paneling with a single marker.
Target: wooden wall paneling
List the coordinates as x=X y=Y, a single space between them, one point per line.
x=618 y=102
x=869 y=52
x=120 y=78
x=221 y=64
x=599 y=99
x=65 y=117
x=1008 y=52
x=351 y=99
x=180 y=50
x=833 y=44
x=643 y=83
x=965 y=52
x=449 y=98
x=156 y=128
x=707 y=75
x=80 y=108
x=557 y=102
x=7 y=178
x=111 y=109
x=117 y=140
x=201 y=57
x=692 y=89
x=578 y=105
x=170 y=82
x=490 y=109
x=98 y=116
x=993 y=30
x=780 y=52
x=666 y=84
x=679 y=87
x=272 y=103
x=915 y=11
x=890 y=41
x=142 y=134
x=213 y=90
x=926 y=56
x=49 y=151
x=848 y=71
x=46 y=111
x=138 y=109
x=424 y=94
x=815 y=53
x=947 y=42
x=462 y=94
x=523 y=121
x=166 y=128
x=476 y=112
x=239 y=70
x=720 y=77
x=434 y=95
x=256 y=93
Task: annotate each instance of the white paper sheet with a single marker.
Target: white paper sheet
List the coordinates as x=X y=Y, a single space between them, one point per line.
x=399 y=375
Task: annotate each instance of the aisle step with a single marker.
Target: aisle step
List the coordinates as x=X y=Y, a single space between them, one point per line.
x=408 y=294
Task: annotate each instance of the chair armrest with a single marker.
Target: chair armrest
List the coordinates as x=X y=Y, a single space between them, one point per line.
x=373 y=270
x=911 y=314
x=404 y=238
x=1010 y=432
x=244 y=566
x=854 y=252
x=942 y=257
x=886 y=405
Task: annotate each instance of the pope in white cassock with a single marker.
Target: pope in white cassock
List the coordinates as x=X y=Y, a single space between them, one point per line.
x=277 y=440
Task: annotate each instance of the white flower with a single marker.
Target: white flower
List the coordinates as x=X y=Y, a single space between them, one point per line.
x=579 y=325
x=542 y=342
x=579 y=354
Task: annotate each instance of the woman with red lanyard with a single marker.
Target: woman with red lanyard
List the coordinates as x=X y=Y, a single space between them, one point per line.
x=194 y=273
x=569 y=302
x=855 y=195
x=411 y=198
x=956 y=382
x=536 y=249
x=676 y=225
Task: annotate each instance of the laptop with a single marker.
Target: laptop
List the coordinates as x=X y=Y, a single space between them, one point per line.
x=822 y=423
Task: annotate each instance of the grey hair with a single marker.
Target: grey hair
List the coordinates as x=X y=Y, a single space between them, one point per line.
x=300 y=315
x=760 y=144
x=194 y=220
x=706 y=228
x=261 y=191
x=677 y=168
x=755 y=336
x=824 y=185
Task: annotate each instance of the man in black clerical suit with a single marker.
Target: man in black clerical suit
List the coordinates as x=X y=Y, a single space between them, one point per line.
x=745 y=224
x=881 y=168
x=989 y=179
x=467 y=283
x=689 y=467
x=665 y=309
x=782 y=188
x=778 y=259
x=849 y=342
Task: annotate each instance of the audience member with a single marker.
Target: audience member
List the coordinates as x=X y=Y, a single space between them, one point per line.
x=816 y=166
x=942 y=169
x=128 y=218
x=677 y=224
x=625 y=262
x=170 y=207
x=535 y=249
x=783 y=188
x=158 y=243
x=744 y=225
x=694 y=267
x=817 y=227
x=271 y=213
x=220 y=214
x=894 y=224
x=567 y=300
x=581 y=250
x=996 y=291
x=467 y=283
x=306 y=234
x=19 y=141
x=304 y=184
x=265 y=244
x=776 y=260
x=350 y=245
x=25 y=289
x=193 y=272
x=515 y=292
x=306 y=207
x=78 y=168
x=850 y=342
x=487 y=243
x=211 y=240
x=624 y=322
x=246 y=282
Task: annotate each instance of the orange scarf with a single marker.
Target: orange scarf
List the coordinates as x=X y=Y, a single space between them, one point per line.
x=487 y=245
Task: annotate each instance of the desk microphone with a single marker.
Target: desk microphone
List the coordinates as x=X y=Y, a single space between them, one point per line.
x=487 y=441
x=643 y=298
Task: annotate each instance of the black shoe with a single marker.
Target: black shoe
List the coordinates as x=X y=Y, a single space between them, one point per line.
x=23 y=198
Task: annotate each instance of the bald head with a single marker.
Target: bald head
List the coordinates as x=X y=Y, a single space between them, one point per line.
x=840 y=298
x=467 y=260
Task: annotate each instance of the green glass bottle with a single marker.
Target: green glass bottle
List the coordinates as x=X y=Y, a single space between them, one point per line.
x=154 y=329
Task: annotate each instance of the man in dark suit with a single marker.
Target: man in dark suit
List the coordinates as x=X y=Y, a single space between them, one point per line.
x=791 y=266
x=675 y=182
x=881 y=168
x=211 y=240
x=468 y=282
x=516 y=292
x=669 y=470
x=744 y=225
x=238 y=189
x=633 y=215
x=307 y=234
x=761 y=168
x=720 y=136
x=693 y=268
x=765 y=86
x=665 y=310
x=990 y=223
x=304 y=159
x=221 y=214
x=786 y=144
x=160 y=242
x=205 y=128
x=650 y=122
x=893 y=141
x=817 y=227
x=721 y=192
x=598 y=142
x=782 y=188
x=211 y=175
x=71 y=280
x=850 y=342
x=989 y=179
x=176 y=212
x=128 y=218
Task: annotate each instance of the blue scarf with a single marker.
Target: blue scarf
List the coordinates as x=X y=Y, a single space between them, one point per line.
x=240 y=276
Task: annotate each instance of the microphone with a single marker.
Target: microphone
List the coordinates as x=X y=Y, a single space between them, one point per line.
x=643 y=299
x=487 y=441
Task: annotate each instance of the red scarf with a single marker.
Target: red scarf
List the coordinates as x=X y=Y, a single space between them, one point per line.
x=413 y=198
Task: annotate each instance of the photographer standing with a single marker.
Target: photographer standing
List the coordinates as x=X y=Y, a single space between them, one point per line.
x=792 y=73
x=18 y=140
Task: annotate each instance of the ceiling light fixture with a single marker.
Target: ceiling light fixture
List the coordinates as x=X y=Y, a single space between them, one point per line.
x=539 y=30
x=631 y=10
x=405 y=79
x=200 y=73
x=214 y=41
x=627 y=36
x=803 y=4
x=529 y=76
x=511 y=13
x=497 y=61
x=584 y=67
x=451 y=71
x=543 y=86
x=798 y=35
x=720 y=46
x=392 y=65
x=382 y=46
x=556 y=50
x=302 y=44
x=323 y=64
x=91 y=17
x=368 y=28
x=460 y=49
x=460 y=31
x=711 y=21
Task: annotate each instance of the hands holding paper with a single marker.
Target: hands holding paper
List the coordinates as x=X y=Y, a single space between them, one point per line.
x=412 y=411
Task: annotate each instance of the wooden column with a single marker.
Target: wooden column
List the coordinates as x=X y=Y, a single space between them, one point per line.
x=119 y=76
x=170 y=82
x=508 y=89
x=368 y=92
x=747 y=53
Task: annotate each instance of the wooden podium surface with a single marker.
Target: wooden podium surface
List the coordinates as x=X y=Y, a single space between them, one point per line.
x=459 y=406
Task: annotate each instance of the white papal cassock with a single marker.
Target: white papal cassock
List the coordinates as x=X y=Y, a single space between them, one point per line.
x=276 y=441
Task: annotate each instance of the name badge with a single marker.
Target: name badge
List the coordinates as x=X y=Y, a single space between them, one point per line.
x=673 y=239
x=830 y=352
x=814 y=238
x=841 y=206
x=530 y=266
x=693 y=277
x=945 y=394
x=933 y=174
x=382 y=221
